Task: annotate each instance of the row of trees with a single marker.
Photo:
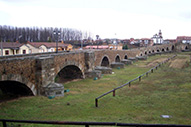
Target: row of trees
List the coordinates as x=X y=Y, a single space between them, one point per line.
x=36 y=34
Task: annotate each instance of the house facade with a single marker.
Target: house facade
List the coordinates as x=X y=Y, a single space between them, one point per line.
x=14 y=48
x=183 y=39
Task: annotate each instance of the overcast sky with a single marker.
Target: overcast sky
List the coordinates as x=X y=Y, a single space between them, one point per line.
x=107 y=18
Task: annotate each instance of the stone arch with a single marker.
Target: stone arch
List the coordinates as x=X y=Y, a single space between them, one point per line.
x=19 y=80
x=105 y=61
x=145 y=52
x=186 y=48
x=15 y=89
x=69 y=73
x=126 y=57
x=153 y=51
x=150 y=52
x=163 y=50
x=173 y=48
x=140 y=54
x=117 y=58
x=167 y=49
x=158 y=50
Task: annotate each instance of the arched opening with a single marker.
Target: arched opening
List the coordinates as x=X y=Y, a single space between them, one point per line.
x=105 y=62
x=69 y=73
x=13 y=89
x=141 y=54
x=153 y=51
x=172 y=47
x=125 y=57
x=158 y=50
x=162 y=50
x=145 y=52
x=186 y=48
x=149 y=52
x=117 y=59
x=167 y=49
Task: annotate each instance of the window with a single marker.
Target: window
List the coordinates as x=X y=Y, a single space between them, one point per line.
x=30 y=51
x=6 y=52
x=24 y=51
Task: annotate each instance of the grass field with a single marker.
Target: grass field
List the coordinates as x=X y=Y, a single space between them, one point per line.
x=167 y=91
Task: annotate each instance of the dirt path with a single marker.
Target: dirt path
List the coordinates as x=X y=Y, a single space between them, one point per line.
x=178 y=63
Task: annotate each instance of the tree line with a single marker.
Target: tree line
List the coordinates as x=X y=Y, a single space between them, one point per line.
x=46 y=34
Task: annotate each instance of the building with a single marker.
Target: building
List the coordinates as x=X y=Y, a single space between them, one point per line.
x=38 y=47
x=13 y=48
x=146 y=42
x=168 y=41
x=110 y=47
x=158 y=38
x=183 y=39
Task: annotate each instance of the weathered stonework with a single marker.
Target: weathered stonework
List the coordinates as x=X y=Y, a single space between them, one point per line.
x=117 y=65
x=37 y=71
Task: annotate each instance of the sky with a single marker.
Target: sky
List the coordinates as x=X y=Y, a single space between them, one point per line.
x=121 y=19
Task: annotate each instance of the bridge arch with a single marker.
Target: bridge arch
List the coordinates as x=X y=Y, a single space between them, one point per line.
x=167 y=49
x=172 y=48
x=141 y=54
x=126 y=57
x=158 y=50
x=145 y=52
x=15 y=89
x=186 y=48
x=17 y=85
x=163 y=50
x=150 y=52
x=117 y=58
x=105 y=61
x=69 y=72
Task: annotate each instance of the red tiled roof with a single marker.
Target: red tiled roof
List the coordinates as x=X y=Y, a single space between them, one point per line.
x=47 y=44
x=97 y=47
x=11 y=45
x=183 y=37
x=145 y=39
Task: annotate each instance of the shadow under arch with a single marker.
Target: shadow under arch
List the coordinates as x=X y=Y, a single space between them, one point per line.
x=126 y=57
x=173 y=48
x=167 y=49
x=69 y=73
x=105 y=61
x=117 y=59
x=13 y=89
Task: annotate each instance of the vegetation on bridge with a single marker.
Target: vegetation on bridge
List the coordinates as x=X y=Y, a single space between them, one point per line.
x=165 y=92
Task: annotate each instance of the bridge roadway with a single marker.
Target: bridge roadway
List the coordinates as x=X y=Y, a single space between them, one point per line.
x=35 y=71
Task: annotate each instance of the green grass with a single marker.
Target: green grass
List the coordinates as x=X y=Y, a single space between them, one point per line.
x=165 y=92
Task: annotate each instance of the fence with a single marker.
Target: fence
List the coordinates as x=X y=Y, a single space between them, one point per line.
x=129 y=83
x=87 y=124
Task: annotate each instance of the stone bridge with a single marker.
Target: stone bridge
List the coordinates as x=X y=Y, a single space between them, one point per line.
x=30 y=74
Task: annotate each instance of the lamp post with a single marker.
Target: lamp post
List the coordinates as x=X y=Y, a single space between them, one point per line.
x=56 y=33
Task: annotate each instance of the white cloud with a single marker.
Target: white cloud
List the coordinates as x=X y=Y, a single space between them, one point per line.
x=103 y=21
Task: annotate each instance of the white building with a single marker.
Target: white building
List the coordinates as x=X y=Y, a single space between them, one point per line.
x=157 y=38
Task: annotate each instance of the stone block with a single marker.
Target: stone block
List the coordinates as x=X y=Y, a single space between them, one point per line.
x=104 y=70
x=54 y=89
x=126 y=62
x=134 y=59
x=93 y=74
x=142 y=57
x=117 y=65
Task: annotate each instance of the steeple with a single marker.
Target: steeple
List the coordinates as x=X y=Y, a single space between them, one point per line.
x=160 y=33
